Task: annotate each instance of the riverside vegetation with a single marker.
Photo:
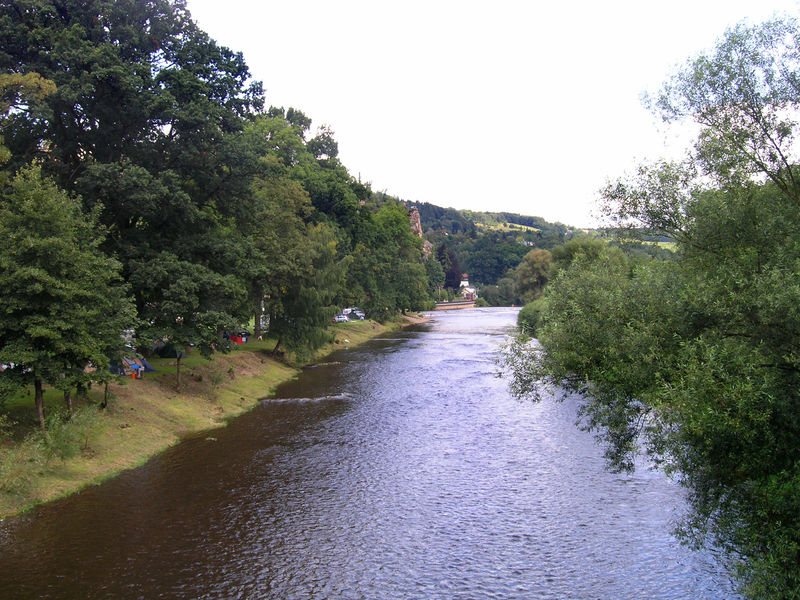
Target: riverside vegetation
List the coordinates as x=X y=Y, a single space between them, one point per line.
x=146 y=188
x=692 y=358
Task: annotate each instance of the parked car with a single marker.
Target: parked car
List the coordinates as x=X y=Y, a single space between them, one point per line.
x=340 y=318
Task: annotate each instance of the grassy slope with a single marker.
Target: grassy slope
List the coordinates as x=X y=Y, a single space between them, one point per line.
x=147 y=415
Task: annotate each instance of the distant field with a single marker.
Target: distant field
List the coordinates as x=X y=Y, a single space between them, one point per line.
x=671 y=246
x=506 y=227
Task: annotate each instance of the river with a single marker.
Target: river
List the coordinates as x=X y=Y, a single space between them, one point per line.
x=401 y=469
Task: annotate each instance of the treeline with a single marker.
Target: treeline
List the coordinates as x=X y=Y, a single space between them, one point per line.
x=146 y=187
x=692 y=357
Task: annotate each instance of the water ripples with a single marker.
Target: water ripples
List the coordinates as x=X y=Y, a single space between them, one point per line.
x=399 y=470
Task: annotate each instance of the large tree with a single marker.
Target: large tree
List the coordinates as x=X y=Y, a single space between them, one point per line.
x=531 y=275
x=743 y=94
x=131 y=79
x=387 y=269
x=145 y=123
x=302 y=307
x=275 y=240
x=694 y=360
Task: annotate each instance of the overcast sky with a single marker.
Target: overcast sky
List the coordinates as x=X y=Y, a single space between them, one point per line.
x=508 y=105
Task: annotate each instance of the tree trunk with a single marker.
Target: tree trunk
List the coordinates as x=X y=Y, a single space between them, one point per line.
x=178 y=373
x=257 y=321
x=277 y=345
x=68 y=401
x=39 y=399
x=104 y=403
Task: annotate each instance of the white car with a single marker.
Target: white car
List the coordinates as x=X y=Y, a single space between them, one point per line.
x=340 y=318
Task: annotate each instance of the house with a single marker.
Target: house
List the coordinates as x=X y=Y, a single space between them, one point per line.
x=466 y=290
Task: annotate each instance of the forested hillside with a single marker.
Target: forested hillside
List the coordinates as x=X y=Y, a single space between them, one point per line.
x=487 y=246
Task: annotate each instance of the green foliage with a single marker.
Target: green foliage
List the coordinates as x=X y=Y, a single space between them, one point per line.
x=301 y=310
x=582 y=247
x=189 y=304
x=387 y=269
x=436 y=276
x=488 y=257
x=532 y=274
x=529 y=316
x=171 y=202
x=68 y=436
x=695 y=360
x=18 y=463
x=743 y=94
x=502 y=294
x=63 y=437
x=63 y=305
x=443 y=220
x=451 y=267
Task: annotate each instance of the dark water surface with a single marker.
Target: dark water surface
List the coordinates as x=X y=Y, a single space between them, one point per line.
x=401 y=470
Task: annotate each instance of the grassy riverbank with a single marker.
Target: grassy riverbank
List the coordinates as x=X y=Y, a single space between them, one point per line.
x=144 y=417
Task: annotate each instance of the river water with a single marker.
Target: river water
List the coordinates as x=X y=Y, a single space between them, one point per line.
x=401 y=469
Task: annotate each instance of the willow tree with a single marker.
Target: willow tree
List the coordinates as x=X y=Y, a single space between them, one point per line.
x=695 y=361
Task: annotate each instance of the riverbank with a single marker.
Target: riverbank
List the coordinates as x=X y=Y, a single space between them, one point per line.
x=146 y=416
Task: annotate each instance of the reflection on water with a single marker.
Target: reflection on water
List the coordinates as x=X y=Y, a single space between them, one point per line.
x=400 y=469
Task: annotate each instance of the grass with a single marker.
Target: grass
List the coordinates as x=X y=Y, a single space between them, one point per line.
x=144 y=417
x=671 y=246
x=507 y=227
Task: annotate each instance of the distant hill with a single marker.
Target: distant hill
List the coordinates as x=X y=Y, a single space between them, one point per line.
x=451 y=221
x=487 y=245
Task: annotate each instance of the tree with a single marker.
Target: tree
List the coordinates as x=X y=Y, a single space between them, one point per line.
x=144 y=123
x=531 y=275
x=323 y=145
x=132 y=78
x=302 y=308
x=188 y=304
x=562 y=256
x=488 y=257
x=694 y=360
x=63 y=304
x=275 y=238
x=451 y=266
x=743 y=94
x=435 y=274
x=20 y=93
x=387 y=269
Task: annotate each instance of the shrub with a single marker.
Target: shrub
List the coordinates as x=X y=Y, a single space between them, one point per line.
x=528 y=318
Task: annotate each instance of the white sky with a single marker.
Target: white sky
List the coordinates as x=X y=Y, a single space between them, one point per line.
x=508 y=105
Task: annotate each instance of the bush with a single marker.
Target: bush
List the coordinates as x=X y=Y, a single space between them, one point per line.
x=528 y=318
x=67 y=437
